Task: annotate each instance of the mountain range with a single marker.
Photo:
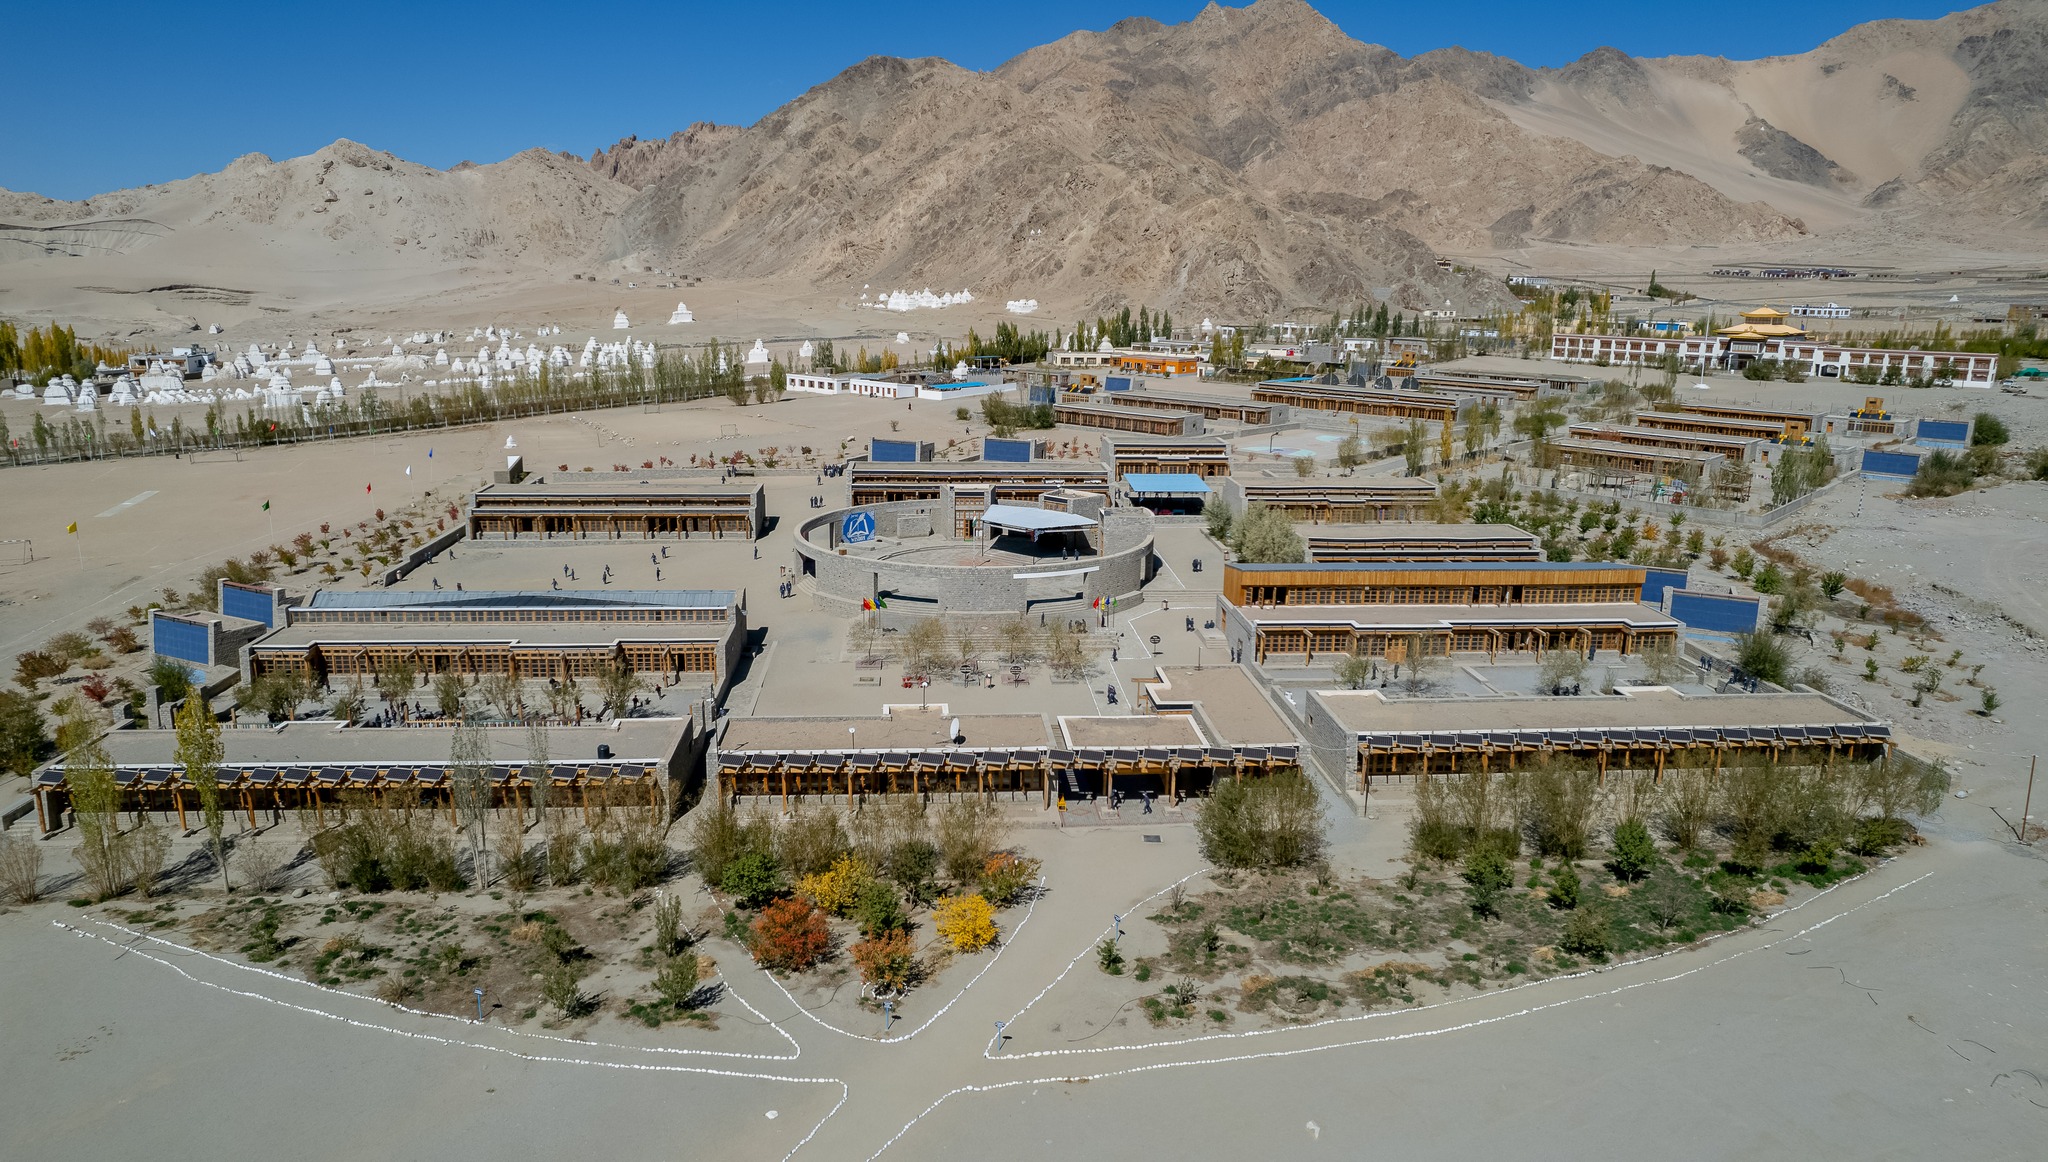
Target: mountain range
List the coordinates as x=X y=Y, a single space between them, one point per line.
x=1247 y=162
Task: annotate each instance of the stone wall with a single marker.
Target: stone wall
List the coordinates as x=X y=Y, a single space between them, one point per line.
x=1121 y=570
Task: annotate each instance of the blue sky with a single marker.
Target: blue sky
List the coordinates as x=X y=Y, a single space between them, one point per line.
x=156 y=92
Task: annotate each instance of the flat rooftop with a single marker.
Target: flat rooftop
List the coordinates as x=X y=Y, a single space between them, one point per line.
x=1365 y=712
x=1166 y=484
x=518 y=599
x=1660 y=436
x=1436 y=567
x=1132 y=730
x=1227 y=699
x=1608 y=447
x=546 y=634
x=325 y=743
x=1392 y=531
x=1055 y=469
x=1272 y=486
x=901 y=730
x=1416 y=618
x=599 y=489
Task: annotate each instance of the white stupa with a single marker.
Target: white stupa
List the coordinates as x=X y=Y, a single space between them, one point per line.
x=214 y=329
x=682 y=315
x=441 y=357
x=619 y=321
x=758 y=354
x=806 y=351
x=903 y=336
x=55 y=394
x=88 y=398
x=1021 y=306
x=960 y=371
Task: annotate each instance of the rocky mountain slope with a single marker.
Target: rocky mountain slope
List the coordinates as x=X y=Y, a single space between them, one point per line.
x=1250 y=161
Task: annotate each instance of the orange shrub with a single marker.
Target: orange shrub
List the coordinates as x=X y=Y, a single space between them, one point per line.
x=790 y=935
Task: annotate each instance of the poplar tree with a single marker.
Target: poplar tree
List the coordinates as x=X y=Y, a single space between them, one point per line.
x=200 y=752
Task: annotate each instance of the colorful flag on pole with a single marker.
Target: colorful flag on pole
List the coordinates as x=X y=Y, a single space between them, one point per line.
x=865 y=604
x=408 y=470
x=266 y=506
x=72 y=527
x=430 y=453
x=366 y=488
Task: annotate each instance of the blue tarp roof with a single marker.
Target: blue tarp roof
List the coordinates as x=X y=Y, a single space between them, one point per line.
x=1165 y=483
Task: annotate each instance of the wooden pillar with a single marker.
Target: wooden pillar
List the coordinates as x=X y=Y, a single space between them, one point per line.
x=319 y=813
x=1603 y=766
x=178 y=798
x=249 y=805
x=785 y=790
x=586 y=802
x=1108 y=777
x=1660 y=766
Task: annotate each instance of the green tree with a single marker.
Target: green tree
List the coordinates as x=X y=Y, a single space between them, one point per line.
x=752 y=879
x=1564 y=887
x=1989 y=430
x=1487 y=874
x=1265 y=535
x=1354 y=672
x=1264 y=823
x=199 y=753
x=1635 y=852
x=23 y=735
x=96 y=802
x=1762 y=656
x=469 y=784
x=1416 y=446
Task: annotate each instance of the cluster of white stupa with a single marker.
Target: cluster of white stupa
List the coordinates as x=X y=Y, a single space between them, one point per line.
x=610 y=355
x=1021 y=306
x=916 y=300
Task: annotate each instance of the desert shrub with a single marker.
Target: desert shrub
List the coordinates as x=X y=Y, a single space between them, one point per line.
x=718 y=835
x=838 y=889
x=1267 y=823
x=1487 y=874
x=1585 y=934
x=1564 y=887
x=885 y=960
x=24 y=736
x=1763 y=657
x=913 y=865
x=676 y=978
x=878 y=910
x=1943 y=473
x=1560 y=801
x=32 y=666
x=1635 y=852
x=1432 y=836
x=789 y=935
x=21 y=867
x=969 y=831
x=966 y=922
x=1005 y=876
x=811 y=842
x=1989 y=431
x=752 y=879
x=1109 y=958
x=625 y=859
x=561 y=988
x=1876 y=837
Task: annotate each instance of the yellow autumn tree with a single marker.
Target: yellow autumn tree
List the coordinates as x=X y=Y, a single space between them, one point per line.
x=837 y=888
x=967 y=922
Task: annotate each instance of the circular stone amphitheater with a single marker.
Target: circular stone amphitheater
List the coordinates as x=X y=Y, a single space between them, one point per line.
x=940 y=556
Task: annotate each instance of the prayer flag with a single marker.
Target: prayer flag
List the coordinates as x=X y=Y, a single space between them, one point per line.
x=266 y=506
x=408 y=470
x=72 y=527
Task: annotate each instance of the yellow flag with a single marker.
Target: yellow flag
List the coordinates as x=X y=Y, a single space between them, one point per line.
x=72 y=527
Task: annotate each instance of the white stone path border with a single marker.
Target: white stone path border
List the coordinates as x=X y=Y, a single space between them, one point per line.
x=455 y=1043
x=845 y=1090
x=879 y=1040
x=1273 y=1054
x=795 y=1049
